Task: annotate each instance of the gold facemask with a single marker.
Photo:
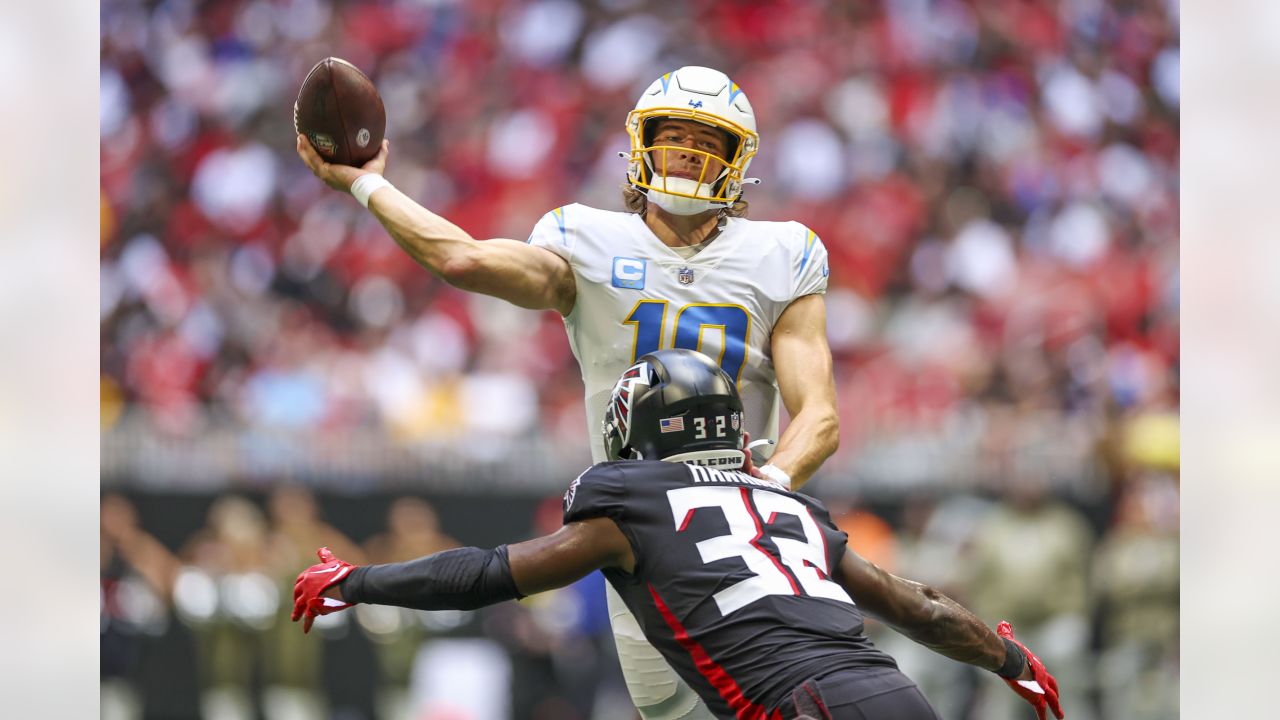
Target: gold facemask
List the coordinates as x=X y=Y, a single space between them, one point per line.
x=654 y=177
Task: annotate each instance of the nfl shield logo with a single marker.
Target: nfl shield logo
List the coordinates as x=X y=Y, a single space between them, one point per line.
x=685 y=276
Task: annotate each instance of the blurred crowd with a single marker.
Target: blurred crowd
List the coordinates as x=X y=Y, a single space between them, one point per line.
x=199 y=628
x=996 y=182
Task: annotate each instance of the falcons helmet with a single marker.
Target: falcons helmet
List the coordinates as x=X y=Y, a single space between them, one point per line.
x=675 y=405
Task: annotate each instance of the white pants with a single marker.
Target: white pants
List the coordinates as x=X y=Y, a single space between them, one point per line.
x=656 y=690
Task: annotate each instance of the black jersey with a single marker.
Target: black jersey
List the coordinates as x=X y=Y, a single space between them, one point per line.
x=732 y=579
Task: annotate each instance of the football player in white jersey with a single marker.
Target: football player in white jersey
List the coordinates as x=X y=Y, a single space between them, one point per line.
x=682 y=267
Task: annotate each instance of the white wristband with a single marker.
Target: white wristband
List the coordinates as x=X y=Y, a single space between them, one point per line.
x=776 y=474
x=365 y=185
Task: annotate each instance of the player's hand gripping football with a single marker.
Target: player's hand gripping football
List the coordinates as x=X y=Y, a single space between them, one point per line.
x=309 y=601
x=1036 y=685
x=339 y=177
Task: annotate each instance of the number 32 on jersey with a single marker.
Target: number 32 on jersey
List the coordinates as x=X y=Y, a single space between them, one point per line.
x=733 y=321
x=749 y=513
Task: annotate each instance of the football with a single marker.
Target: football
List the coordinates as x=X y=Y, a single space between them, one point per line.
x=340 y=111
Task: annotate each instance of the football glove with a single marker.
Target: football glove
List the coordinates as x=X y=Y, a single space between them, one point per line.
x=1042 y=689
x=308 y=590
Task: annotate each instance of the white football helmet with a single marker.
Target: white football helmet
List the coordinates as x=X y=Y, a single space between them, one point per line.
x=706 y=96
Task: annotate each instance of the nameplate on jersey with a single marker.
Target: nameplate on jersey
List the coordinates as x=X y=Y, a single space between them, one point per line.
x=629 y=273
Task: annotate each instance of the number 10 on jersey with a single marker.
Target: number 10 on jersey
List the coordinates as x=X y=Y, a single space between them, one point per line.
x=650 y=318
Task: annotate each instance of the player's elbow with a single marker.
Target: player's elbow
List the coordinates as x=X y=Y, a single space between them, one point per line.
x=462 y=268
x=920 y=612
x=828 y=431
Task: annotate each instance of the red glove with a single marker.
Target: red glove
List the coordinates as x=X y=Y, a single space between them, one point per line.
x=1042 y=689
x=311 y=584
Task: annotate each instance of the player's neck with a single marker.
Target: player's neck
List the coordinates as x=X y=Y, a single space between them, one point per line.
x=680 y=230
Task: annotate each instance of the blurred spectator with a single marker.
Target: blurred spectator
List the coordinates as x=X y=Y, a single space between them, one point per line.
x=1029 y=564
x=227 y=593
x=563 y=658
x=146 y=662
x=399 y=634
x=1135 y=587
x=931 y=544
x=296 y=664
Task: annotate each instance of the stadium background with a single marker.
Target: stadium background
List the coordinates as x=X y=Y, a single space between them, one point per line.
x=996 y=181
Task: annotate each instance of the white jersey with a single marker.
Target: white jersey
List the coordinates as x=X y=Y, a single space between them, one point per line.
x=636 y=295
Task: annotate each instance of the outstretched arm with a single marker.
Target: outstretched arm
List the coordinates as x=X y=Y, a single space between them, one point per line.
x=946 y=627
x=464 y=578
x=802 y=360
x=517 y=272
x=921 y=613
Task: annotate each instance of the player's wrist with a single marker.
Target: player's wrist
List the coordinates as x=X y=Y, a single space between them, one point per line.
x=334 y=591
x=366 y=185
x=776 y=474
x=1015 y=661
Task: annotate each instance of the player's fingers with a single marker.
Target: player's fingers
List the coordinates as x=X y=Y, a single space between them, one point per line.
x=1051 y=686
x=378 y=163
x=306 y=627
x=325 y=555
x=309 y=156
x=305 y=151
x=1054 y=704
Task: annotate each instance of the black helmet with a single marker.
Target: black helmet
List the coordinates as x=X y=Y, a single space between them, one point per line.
x=675 y=402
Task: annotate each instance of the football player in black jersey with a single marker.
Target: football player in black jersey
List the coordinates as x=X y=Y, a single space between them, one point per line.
x=748 y=590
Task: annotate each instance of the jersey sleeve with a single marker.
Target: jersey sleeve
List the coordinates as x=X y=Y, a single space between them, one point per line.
x=837 y=540
x=597 y=492
x=809 y=264
x=552 y=232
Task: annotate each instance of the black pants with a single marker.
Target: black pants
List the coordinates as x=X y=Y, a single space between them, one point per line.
x=873 y=693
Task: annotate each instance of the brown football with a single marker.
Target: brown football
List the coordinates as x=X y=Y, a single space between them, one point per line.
x=340 y=111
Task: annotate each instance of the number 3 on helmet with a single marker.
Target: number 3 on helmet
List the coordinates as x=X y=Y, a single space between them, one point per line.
x=707 y=96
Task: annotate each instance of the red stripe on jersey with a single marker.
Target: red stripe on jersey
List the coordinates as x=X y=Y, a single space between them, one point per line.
x=688 y=515
x=755 y=541
x=726 y=686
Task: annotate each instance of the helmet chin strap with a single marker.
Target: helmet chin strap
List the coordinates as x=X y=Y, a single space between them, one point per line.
x=678 y=204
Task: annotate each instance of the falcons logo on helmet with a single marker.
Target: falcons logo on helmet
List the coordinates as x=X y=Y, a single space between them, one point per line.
x=624 y=392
